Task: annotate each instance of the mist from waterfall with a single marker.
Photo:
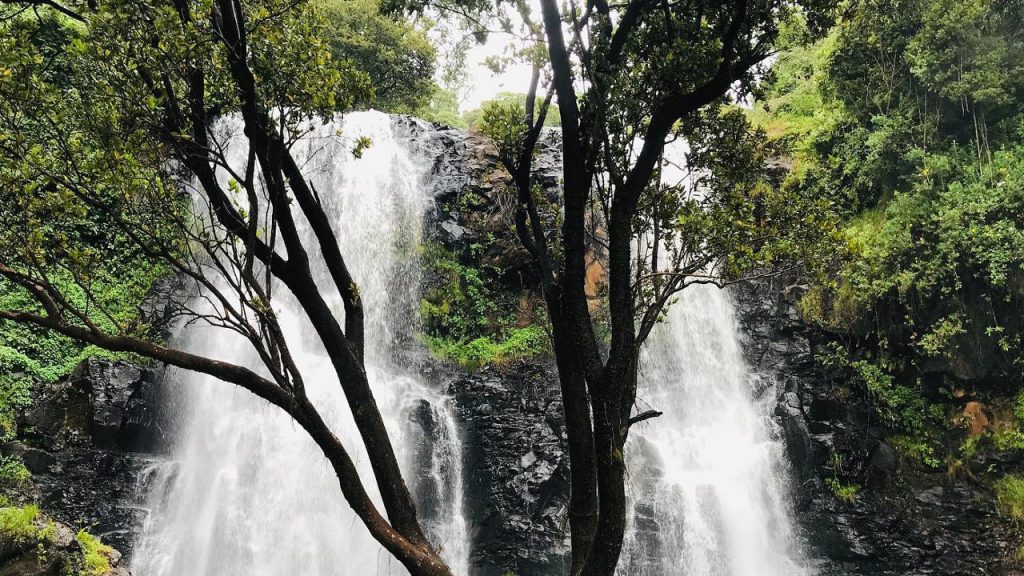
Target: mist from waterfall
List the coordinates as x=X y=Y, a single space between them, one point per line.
x=708 y=478
x=246 y=493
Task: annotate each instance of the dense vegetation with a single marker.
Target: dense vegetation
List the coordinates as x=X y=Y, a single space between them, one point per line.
x=470 y=317
x=908 y=116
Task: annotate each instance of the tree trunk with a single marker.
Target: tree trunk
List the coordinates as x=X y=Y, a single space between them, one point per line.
x=583 y=500
x=610 y=428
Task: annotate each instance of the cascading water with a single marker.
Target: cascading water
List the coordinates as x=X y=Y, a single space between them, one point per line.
x=708 y=478
x=247 y=493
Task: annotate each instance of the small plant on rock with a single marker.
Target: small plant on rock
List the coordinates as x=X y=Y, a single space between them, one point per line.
x=843 y=492
x=95 y=555
x=1010 y=496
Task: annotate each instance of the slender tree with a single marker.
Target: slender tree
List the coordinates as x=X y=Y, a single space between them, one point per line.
x=630 y=78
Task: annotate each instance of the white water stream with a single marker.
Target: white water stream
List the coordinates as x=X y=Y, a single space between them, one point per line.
x=708 y=478
x=247 y=493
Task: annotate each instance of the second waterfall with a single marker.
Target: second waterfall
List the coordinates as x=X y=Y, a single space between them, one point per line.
x=246 y=493
x=709 y=480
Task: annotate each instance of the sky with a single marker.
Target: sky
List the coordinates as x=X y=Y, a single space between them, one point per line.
x=482 y=83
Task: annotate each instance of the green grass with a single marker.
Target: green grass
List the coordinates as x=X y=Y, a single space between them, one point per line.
x=1010 y=496
x=843 y=492
x=19 y=524
x=519 y=344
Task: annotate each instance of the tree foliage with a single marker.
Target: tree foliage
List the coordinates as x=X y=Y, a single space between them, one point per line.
x=909 y=115
x=395 y=54
x=505 y=107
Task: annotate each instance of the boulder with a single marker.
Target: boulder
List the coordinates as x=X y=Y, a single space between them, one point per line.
x=977 y=418
x=121 y=397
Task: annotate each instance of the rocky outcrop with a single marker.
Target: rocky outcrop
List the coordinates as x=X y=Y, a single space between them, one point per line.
x=474 y=197
x=41 y=546
x=514 y=465
x=163 y=302
x=516 y=469
x=900 y=521
x=86 y=438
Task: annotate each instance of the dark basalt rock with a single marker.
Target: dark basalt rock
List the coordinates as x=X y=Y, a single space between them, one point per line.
x=443 y=146
x=516 y=470
x=901 y=522
x=474 y=196
x=119 y=412
x=86 y=440
x=163 y=301
x=790 y=413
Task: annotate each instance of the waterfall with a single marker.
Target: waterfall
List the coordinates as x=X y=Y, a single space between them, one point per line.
x=708 y=480
x=246 y=493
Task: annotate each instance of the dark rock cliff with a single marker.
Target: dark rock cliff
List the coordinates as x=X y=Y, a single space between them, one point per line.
x=516 y=469
x=86 y=439
x=901 y=521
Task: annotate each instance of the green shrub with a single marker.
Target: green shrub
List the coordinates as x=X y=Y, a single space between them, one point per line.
x=1018 y=407
x=15 y=395
x=519 y=344
x=901 y=407
x=920 y=449
x=12 y=471
x=462 y=306
x=95 y=555
x=19 y=523
x=1010 y=496
x=1008 y=438
x=843 y=492
x=468 y=318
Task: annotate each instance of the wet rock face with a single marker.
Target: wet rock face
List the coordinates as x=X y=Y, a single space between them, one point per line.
x=121 y=396
x=516 y=470
x=474 y=196
x=901 y=522
x=86 y=439
x=163 y=301
x=444 y=147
